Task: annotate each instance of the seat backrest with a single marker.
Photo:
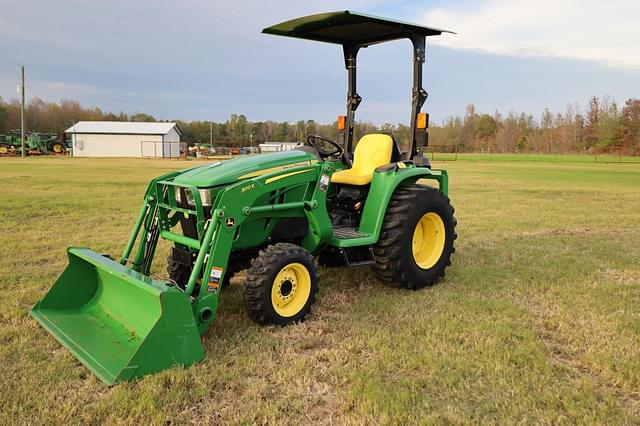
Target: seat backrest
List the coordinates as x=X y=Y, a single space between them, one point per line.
x=373 y=150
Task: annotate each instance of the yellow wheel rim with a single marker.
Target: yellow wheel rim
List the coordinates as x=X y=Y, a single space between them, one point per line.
x=3 y=150
x=57 y=148
x=428 y=240
x=291 y=289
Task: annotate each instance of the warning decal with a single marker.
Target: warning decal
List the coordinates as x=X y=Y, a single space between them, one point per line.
x=216 y=274
x=214 y=279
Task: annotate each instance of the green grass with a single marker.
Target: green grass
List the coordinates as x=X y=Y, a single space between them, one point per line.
x=537 y=320
x=541 y=158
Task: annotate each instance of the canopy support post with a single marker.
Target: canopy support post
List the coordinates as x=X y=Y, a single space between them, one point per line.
x=353 y=101
x=418 y=97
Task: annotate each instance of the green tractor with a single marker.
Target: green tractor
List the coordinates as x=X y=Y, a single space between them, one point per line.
x=35 y=144
x=276 y=214
x=44 y=144
x=11 y=143
x=4 y=145
x=55 y=145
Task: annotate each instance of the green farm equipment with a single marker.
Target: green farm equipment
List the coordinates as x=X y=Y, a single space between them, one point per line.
x=5 y=149
x=276 y=214
x=35 y=144
x=11 y=144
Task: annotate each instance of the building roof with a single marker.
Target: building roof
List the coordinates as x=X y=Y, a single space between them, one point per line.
x=123 y=128
x=349 y=28
x=279 y=143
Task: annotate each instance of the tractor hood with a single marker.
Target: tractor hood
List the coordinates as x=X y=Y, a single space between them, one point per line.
x=245 y=167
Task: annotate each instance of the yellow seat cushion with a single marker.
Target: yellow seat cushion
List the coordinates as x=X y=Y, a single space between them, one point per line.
x=372 y=151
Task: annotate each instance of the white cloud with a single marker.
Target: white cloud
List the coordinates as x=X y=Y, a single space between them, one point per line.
x=48 y=90
x=588 y=29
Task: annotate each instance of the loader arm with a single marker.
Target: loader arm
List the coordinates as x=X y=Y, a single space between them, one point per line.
x=236 y=205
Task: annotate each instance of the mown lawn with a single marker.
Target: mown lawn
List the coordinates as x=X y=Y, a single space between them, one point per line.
x=537 y=321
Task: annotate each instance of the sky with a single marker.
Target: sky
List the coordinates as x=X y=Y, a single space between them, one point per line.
x=204 y=60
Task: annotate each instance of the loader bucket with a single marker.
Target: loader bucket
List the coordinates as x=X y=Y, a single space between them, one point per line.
x=118 y=322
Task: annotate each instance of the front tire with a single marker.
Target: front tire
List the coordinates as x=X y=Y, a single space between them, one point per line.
x=179 y=273
x=281 y=285
x=417 y=238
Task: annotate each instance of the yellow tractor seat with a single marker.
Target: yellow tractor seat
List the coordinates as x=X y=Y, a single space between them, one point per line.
x=372 y=151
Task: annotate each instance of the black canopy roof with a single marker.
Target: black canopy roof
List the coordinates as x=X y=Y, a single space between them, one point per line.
x=349 y=28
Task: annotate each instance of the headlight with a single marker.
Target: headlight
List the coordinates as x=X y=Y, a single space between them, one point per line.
x=190 y=200
x=205 y=197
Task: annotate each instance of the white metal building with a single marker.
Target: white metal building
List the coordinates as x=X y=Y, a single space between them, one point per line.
x=124 y=139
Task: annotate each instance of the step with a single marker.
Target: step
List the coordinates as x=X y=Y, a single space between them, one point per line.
x=346 y=233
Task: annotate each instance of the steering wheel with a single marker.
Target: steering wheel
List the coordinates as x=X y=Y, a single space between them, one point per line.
x=312 y=140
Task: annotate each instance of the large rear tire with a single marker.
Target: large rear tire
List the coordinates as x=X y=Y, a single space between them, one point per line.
x=281 y=285
x=417 y=238
x=57 y=148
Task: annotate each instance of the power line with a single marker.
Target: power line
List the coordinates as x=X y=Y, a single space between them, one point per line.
x=34 y=93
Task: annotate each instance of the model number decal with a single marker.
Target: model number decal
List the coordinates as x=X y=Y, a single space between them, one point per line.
x=248 y=187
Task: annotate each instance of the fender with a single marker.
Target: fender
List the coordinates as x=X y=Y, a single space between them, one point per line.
x=383 y=185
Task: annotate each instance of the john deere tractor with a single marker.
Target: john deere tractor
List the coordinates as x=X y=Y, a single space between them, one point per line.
x=35 y=144
x=276 y=215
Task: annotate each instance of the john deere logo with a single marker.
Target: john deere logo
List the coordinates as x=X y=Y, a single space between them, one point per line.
x=230 y=222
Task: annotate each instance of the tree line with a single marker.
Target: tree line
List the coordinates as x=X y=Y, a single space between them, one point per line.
x=605 y=126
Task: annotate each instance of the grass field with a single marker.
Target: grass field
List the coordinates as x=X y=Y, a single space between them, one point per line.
x=537 y=321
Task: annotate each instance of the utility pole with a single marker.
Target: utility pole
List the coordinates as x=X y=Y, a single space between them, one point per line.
x=73 y=136
x=211 y=133
x=22 y=107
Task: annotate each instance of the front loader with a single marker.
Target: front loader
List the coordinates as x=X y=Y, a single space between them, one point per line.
x=276 y=215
